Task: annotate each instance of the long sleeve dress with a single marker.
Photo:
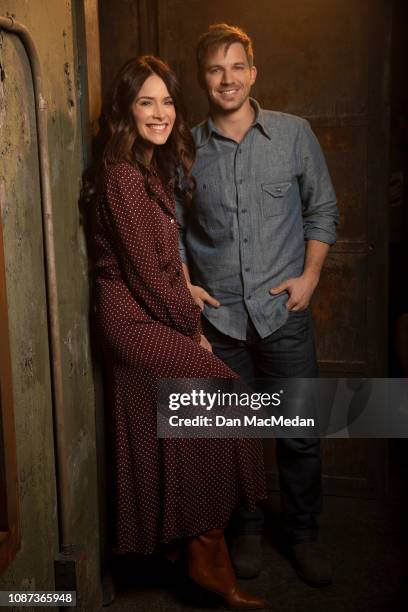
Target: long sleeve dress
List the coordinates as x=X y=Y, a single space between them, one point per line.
x=149 y=328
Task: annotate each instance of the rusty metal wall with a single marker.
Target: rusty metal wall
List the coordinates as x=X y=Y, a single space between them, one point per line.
x=51 y=24
x=21 y=218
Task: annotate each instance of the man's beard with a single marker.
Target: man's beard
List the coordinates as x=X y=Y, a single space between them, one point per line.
x=231 y=109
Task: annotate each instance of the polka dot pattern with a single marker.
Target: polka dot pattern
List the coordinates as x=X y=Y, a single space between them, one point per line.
x=164 y=489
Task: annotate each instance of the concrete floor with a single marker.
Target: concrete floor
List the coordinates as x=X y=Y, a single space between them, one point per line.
x=366 y=541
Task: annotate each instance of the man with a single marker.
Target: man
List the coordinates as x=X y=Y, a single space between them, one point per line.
x=253 y=244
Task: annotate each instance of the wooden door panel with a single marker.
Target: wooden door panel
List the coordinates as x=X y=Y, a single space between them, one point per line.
x=305 y=51
x=328 y=62
x=302 y=51
x=340 y=311
x=350 y=467
x=345 y=149
x=314 y=60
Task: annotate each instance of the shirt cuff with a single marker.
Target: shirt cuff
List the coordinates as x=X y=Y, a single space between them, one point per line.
x=183 y=257
x=182 y=252
x=321 y=235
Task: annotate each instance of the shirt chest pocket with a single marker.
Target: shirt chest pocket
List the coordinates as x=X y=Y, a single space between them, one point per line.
x=275 y=198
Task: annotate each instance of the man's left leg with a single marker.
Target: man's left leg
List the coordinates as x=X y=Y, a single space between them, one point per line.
x=290 y=353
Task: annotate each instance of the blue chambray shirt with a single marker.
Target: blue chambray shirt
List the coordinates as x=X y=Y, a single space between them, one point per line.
x=254 y=206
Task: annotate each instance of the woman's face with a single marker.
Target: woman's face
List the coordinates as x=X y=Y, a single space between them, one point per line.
x=154 y=112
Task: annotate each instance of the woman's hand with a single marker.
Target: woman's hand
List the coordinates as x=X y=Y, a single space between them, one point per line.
x=205 y=344
x=200 y=296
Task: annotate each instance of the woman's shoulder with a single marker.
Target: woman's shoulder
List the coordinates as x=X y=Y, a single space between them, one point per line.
x=122 y=172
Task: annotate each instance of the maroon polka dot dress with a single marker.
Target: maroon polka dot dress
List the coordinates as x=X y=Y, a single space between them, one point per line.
x=149 y=326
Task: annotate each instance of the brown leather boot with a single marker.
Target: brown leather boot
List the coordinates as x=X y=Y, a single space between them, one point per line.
x=210 y=566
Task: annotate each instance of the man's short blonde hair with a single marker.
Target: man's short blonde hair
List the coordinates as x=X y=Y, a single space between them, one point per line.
x=223 y=34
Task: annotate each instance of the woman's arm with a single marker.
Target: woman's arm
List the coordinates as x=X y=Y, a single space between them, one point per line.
x=128 y=210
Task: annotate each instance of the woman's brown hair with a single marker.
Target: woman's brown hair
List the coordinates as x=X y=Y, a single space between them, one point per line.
x=118 y=141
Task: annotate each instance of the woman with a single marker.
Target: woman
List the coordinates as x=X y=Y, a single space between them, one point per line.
x=166 y=490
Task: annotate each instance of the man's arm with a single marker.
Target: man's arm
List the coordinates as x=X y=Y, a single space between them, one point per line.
x=320 y=217
x=200 y=296
x=320 y=213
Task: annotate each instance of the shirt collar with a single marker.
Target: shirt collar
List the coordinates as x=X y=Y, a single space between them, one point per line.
x=260 y=118
x=208 y=127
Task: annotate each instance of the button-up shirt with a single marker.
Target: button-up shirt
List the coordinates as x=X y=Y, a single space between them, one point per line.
x=255 y=204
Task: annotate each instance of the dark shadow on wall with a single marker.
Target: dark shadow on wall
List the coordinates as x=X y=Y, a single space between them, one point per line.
x=398 y=207
x=119 y=36
x=101 y=404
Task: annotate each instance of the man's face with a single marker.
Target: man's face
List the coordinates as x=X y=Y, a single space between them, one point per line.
x=227 y=77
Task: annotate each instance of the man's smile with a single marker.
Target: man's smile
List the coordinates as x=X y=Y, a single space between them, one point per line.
x=229 y=92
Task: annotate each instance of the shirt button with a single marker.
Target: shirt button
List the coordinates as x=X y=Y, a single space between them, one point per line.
x=249 y=297
x=244 y=210
x=171 y=220
x=245 y=240
x=247 y=269
x=240 y=181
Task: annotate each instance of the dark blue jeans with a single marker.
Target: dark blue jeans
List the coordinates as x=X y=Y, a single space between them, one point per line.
x=288 y=352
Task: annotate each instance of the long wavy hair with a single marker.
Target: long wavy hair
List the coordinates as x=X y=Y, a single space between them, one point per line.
x=118 y=141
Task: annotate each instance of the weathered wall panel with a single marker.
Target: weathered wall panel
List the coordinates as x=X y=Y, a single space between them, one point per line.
x=21 y=218
x=51 y=24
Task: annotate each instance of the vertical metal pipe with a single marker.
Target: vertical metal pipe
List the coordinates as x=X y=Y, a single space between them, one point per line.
x=64 y=498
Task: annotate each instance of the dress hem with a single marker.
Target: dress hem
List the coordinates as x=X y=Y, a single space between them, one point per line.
x=188 y=534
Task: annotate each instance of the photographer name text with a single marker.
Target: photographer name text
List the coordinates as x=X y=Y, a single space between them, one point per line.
x=245 y=421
